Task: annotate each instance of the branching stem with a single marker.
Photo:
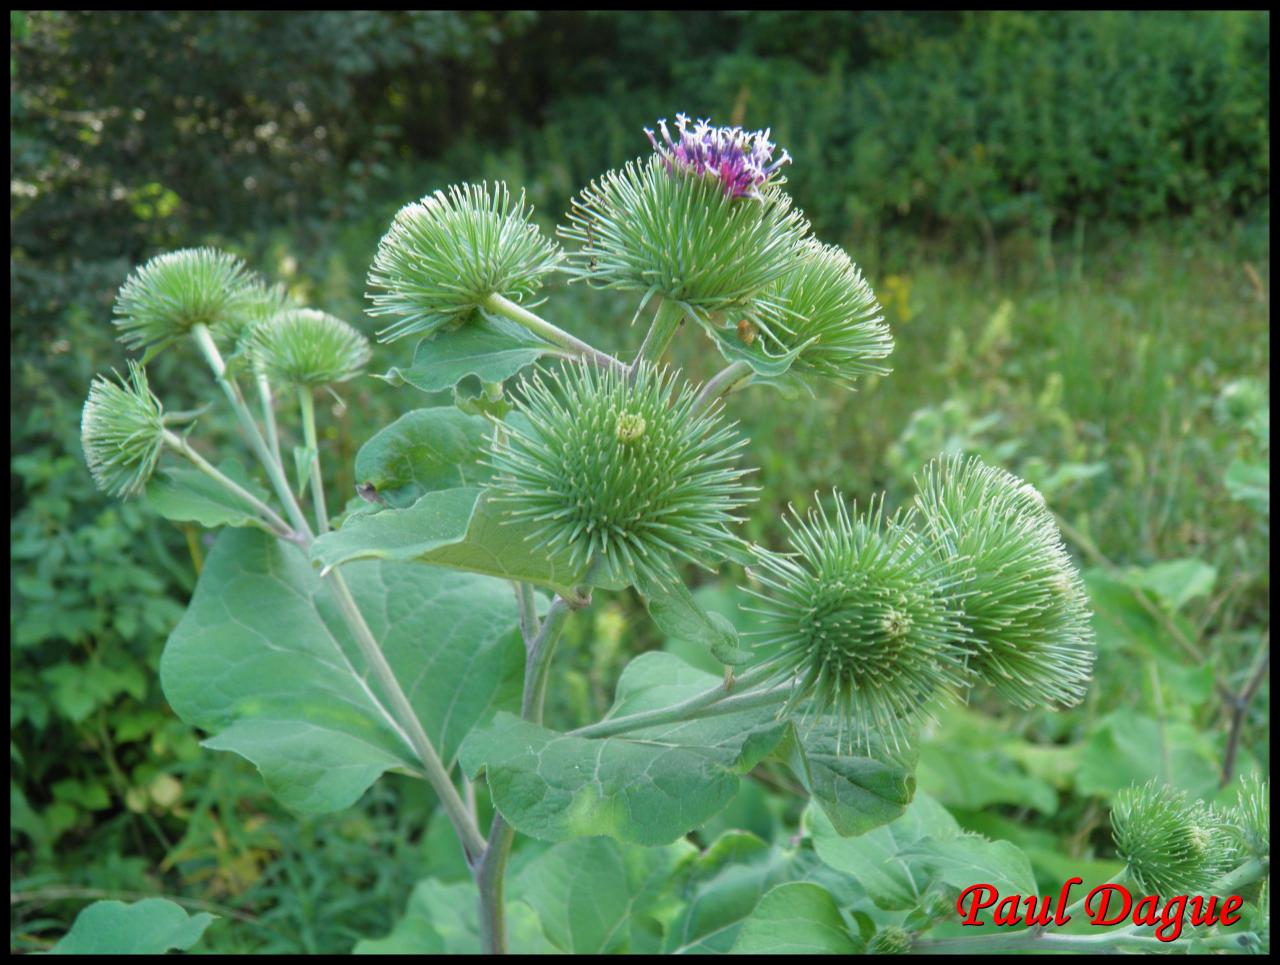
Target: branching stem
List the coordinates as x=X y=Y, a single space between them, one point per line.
x=696 y=706
x=498 y=305
x=400 y=708
x=491 y=871
x=274 y=470
x=666 y=322
x=270 y=517
x=729 y=379
x=308 y=408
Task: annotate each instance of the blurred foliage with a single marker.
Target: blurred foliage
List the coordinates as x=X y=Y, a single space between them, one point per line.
x=1065 y=217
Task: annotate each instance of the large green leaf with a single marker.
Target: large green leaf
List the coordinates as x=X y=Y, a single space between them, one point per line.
x=1126 y=748
x=490 y=350
x=798 y=918
x=877 y=859
x=896 y=863
x=188 y=495
x=968 y=763
x=596 y=896
x=1176 y=582
x=677 y=614
x=458 y=528
x=858 y=788
x=152 y=926
x=444 y=919
x=425 y=450
x=721 y=888
x=655 y=784
x=1250 y=483
x=969 y=858
x=264 y=661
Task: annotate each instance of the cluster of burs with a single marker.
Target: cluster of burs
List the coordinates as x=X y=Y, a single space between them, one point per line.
x=632 y=469
x=631 y=472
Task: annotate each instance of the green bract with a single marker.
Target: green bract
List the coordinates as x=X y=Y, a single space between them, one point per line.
x=825 y=310
x=861 y=616
x=444 y=255
x=1021 y=597
x=303 y=346
x=262 y=302
x=122 y=432
x=172 y=293
x=890 y=940
x=1172 y=846
x=679 y=235
x=621 y=469
x=1250 y=819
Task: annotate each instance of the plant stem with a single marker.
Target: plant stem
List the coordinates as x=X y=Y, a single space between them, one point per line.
x=688 y=709
x=1240 y=706
x=270 y=517
x=204 y=340
x=401 y=710
x=436 y=774
x=307 y=404
x=729 y=379
x=540 y=326
x=491 y=873
x=527 y=603
x=666 y=322
x=269 y=415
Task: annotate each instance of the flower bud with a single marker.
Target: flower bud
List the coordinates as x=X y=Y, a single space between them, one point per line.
x=172 y=293
x=444 y=255
x=859 y=615
x=1171 y=846
x=122 y=432
x=825 y=309
x=1250 y=819
x=303 y=346
x=708 y=239
x=738 y=162
x=262 y=303
x=1020 y=595
x=621 y=469
x=890 y=940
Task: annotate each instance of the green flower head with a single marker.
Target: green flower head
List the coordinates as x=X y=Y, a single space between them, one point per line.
x=262 y=303
x=173 y=293
x=1250 y=819
x=859 y=614
x=679 y=234
x=122 y=432
x=444 y=255
x=622 y=470
x=890 y=940
x=1171 y=846
x=824 y=310
x=303 y=346
x=1021 y=597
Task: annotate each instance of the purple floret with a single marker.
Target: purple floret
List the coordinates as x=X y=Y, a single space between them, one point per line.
x=743 y=162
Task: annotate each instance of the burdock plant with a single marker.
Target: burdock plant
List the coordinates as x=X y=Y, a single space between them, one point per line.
x=1170 y=845
x=1023 y=605
x=622 y=469
x=418 y=636
x=862 y=618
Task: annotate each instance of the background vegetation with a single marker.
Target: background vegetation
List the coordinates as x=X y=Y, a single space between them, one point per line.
x=1066 y=217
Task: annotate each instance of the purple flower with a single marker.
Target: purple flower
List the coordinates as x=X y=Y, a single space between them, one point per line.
x=743 y=162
